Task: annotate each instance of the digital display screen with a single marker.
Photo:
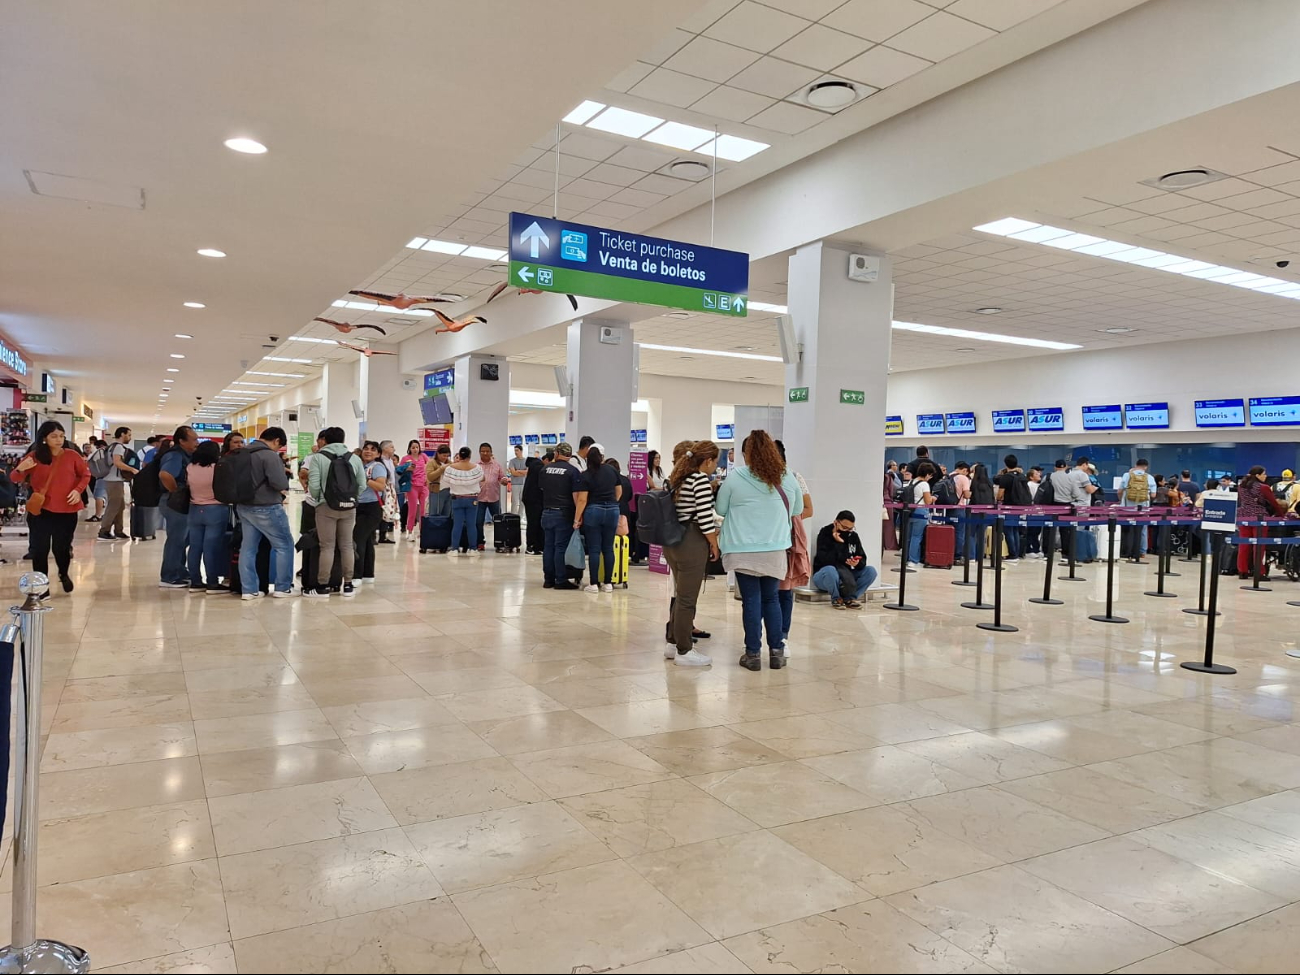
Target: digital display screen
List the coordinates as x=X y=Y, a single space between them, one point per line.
x=960 y=422
x=638 y=436
x=893 y=426
x=1008 y=421
x=927 y=423
x=435 y=410
x=1146 y=416
x=1274 y=411
x=1047 y=419
x=550 y=439
x=1103 y=417
x=517 y=441
x=1220 y=413
x=725 y=431
x=532 y=438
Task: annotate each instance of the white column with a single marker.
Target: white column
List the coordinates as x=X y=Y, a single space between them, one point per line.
x=392 y=401
x=340 y=387
x=844 y=327
x=482 y=405
x=601 y=373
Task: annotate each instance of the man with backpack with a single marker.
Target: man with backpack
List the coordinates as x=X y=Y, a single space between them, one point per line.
x=1136 y=491
x=112 y=465
x=335 y=479
x=1013 y=492
x=170 y=480
x=255 y=481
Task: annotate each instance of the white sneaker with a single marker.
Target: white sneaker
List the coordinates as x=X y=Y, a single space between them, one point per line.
x=473 y=553
x=693 y=659
x=608 y=587
x=453 y=553
x=1010 y=561
x=251 y=595
x=281 y=593
x=670 y=651
x=368 y=580
x=591 y=587
x=173 y=585
x=789 y=649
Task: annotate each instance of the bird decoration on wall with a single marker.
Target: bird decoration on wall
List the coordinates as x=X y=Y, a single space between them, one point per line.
x=346 y=327
x=455 y=325
x=364 y=351
x=526 y=291
x=402 y=301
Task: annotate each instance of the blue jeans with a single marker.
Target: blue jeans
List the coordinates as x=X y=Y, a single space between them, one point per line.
x=173 y=560
x=207 y=538
x=268 y=520
x=786 y=598
x=483 y=508
x=599 y=524
x=760 y=605
x=462 y=519
x=915 y=533
x=557 y=527
x=1012 y=534
x=832 y=579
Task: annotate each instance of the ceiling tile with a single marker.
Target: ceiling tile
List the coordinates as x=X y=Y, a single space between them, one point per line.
x=808 y=9
x=773 y=77
x=1274 y=175
x=1255 y=198
x=821 y=47
x=540 y=177
x=618 y=175
x=587 y=146
x=639 y=198
x=940 y=36
x=1287 y=208
x=707 y=13
x=787 y=118
x=511 y=193
x=590 y=189
x=627 y=78
x=705 y=57
x=614 y=211
x=756 y=27
x=672 y=87
x=882 y=67
x=667 y=185
x=1000 y=14
x=731 y=104
x=877 y=20
x=636 y=157
x=669 y=46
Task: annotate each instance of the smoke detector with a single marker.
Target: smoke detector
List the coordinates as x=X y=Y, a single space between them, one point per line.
x=1185 y=179
x=688 y=169
x=831 y=95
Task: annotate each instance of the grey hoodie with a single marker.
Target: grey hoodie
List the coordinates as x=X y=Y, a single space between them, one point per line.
x=268 y=473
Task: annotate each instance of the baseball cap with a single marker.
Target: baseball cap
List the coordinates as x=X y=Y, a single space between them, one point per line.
x=600 y=447
x=563 y=450
x=1288 y=473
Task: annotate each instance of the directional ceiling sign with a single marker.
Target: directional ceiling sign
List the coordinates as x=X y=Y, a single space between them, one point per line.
x=570 y=258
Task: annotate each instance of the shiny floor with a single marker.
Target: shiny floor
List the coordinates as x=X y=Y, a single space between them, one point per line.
x=458 y=771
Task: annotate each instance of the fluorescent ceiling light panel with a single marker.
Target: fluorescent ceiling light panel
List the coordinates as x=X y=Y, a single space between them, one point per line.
x=965 y=333
x=241 y=382
x=442 y=247
x=371 y=306
x=679 y=136
x=620 y=121
x=717 y=352
x=765 y=306
x=1025 y=230
x=281 y=375
x=584 y=112
x=484 y=253
x=733 y=148
x=415 y=243
x=304 y=338
x=282 y=358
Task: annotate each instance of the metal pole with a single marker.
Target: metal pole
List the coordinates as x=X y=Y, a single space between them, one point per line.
x=1200 y=609
x=1258 y=556
x=1208 y=666
x=555 y=200
x=1049 y=536
x=25 y=952
x=997 y=625
x=1169 y=547
x=1162 y=563
x=903 y=570
x=963 y=518
x=1074 y=545
x=713 y=187
x=1110 y=616
x=979 y=602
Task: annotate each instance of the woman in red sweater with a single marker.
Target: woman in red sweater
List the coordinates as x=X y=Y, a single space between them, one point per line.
x=61 y=475
x=1255 y=500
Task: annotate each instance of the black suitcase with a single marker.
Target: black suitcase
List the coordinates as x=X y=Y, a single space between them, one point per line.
x=144 y=522
x=507 y=533
x=435 y=533
x=263 y=563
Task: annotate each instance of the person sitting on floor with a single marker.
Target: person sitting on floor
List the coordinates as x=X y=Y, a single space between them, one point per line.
x=840 y=564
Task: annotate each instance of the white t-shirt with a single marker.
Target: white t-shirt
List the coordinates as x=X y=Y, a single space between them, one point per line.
x=115 y=449
x=919 y=490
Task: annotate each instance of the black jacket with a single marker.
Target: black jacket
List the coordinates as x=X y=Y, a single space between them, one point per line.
x=831 y=552
x=532 y=492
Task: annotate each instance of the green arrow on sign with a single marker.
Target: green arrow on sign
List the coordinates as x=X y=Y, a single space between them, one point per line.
x=799 y=394
x=853 y=397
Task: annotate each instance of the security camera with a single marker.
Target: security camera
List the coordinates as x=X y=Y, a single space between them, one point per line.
x=1283 y=263
x=274 y=338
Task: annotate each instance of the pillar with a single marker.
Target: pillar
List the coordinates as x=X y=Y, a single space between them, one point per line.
x=482 y=406
x=392 y=401
x=838 y=443
x=340 y=387
x=601 y=373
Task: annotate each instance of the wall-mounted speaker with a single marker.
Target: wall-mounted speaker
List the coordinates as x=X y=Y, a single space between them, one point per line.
x=791 y=350
x=357 y=411
x=562 y=381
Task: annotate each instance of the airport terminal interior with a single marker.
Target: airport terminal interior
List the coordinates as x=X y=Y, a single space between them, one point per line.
x=680 y=487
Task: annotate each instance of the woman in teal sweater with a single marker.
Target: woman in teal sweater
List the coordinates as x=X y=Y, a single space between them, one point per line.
x=757 y=503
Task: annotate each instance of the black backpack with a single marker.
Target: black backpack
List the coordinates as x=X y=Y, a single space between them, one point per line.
x=904 y=494
x=146 y=489
x=1046 y=492
x=234 y=481
x=656 y=519
x=1019 y=492
x=945 y=492
x=340 y=485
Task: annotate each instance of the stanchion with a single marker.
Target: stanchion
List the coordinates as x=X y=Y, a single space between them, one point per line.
x=1207 y=665
x=903 y=540
x=902 y=604
x=1167 y=546
x=26 y=952
x=1200 y=609
x=963 y=518
x=1259 y=544
x=1049 y=535
x=1074 y=546
x=1110 y=616
x=1162 y=562
x=979 y=602
x=997 y=624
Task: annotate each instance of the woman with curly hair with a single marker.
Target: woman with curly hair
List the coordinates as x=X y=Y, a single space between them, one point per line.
x=757 y=503
x=689 y=560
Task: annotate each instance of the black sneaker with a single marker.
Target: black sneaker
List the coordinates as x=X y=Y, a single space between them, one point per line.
x=198 y=589
x=66 y=580
x=751 y=661
x=548 y=585
x=101 y=537
x=347 y=589
x=566 y=585
x=316 y=592
x=218 y=589
x=122 y=537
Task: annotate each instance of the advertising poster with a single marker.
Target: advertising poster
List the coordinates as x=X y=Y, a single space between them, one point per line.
x=306 y=441
x=431 y=438
x=657 y=561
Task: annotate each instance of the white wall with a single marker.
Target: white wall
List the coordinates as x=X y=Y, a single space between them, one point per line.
x=1259 y=364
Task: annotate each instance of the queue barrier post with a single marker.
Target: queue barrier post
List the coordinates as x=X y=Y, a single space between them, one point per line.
x=1200 y=609
x=903 y=570
x=1109 y=616
x=997 y=625
x=1257 y=558
x=967 y=537
x=1162 y=562
x=979 y=602
x=1049 y=543
x=1207 y=664
x=1167 y=545
x=1074 y=545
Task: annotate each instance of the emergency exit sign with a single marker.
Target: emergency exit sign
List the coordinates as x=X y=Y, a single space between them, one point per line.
x=853 y=397
x=799 y=394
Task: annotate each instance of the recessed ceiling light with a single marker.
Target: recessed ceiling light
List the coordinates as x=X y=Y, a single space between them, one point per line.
x=1117 y=329
x=442 y=247
x=965 y=333
x=584 y=112
x=210 y=252
x=182 y=335
x=734 y=148
x=304 y=338
x=691 y=353
x=250 y=146
x=172 y=369
x=620 y=121
x=988 y=310
x=483 y=253
x=282 y=375
x=691 y=169
x=963 y=350
x=177 y=355
x=679 y=135
x=768 y=306
x=283 y=358
x=678 y=314
x=831 y=94
x=195 y=304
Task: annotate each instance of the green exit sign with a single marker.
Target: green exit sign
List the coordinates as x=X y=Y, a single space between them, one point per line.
x=35 y=398
x=853 y=397
x=799 y=394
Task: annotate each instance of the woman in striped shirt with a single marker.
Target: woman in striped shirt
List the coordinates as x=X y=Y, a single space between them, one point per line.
x=689 y=481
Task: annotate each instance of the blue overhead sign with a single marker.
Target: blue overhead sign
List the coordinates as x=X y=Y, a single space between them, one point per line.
x=893 y=426
x=1046 y=419
x=1274 y=411
x=1146 y=416
x=442 y=379
x=555 y=255
x=1008 y=421
x=1220 y=413
x=960 y=422
x=927 y=423
x=1103 y=417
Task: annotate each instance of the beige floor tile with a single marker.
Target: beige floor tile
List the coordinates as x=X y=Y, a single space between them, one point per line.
x=1279 y=812
x=235 y=701
x=226 y=655
x=251 y=731
x=212 y=960
x=130 y=685
x=577 y=769
x=357 y=690
x=1171 y=897
x=461 y=680
x=1177 y=961
x=1218 y=772
x=393 y=751
x=889 y=774
x=983 y=757
x=445 y=791
x=639 y=718
x=1282 y=738
x=895 y=723
x=655 y=816
x=780 y=793
x=578 y=694
x=242 y=675
x=1016 y=922
x=740 y=883
x=533 y=732
x=258 y=769
x=121 y=713
x=296 y=814
x=713 y=749
x=1001 y=824
x=1251 y=854
x=884 y=850
x=871 y=937
x=65 y=795
x=374 y=717
x=118 y=746
x=740 y=705
x=1105 y=802
x=710 y=959
x=428 y=935
x=1222 y=715
x=1265 y=944
x=272 y=890
x=505 y=845
x=506 y=702
x=105 y=662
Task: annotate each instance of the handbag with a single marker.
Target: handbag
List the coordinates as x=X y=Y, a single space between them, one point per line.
x=179 y=500
x=36 y=500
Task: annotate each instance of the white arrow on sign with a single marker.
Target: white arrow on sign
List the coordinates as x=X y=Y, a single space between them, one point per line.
x=525 y=274
x=738 y=303
x=532 y=236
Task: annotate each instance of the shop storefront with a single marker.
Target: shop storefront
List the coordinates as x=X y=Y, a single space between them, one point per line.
x=22 y=406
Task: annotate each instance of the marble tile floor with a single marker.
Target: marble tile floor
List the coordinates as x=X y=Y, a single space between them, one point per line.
x=460 y=771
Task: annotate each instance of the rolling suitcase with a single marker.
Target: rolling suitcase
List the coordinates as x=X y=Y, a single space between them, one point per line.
x=144 y=522
x=507 y=533
x=940 y=544
x=435 y=533
x=622 y=559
